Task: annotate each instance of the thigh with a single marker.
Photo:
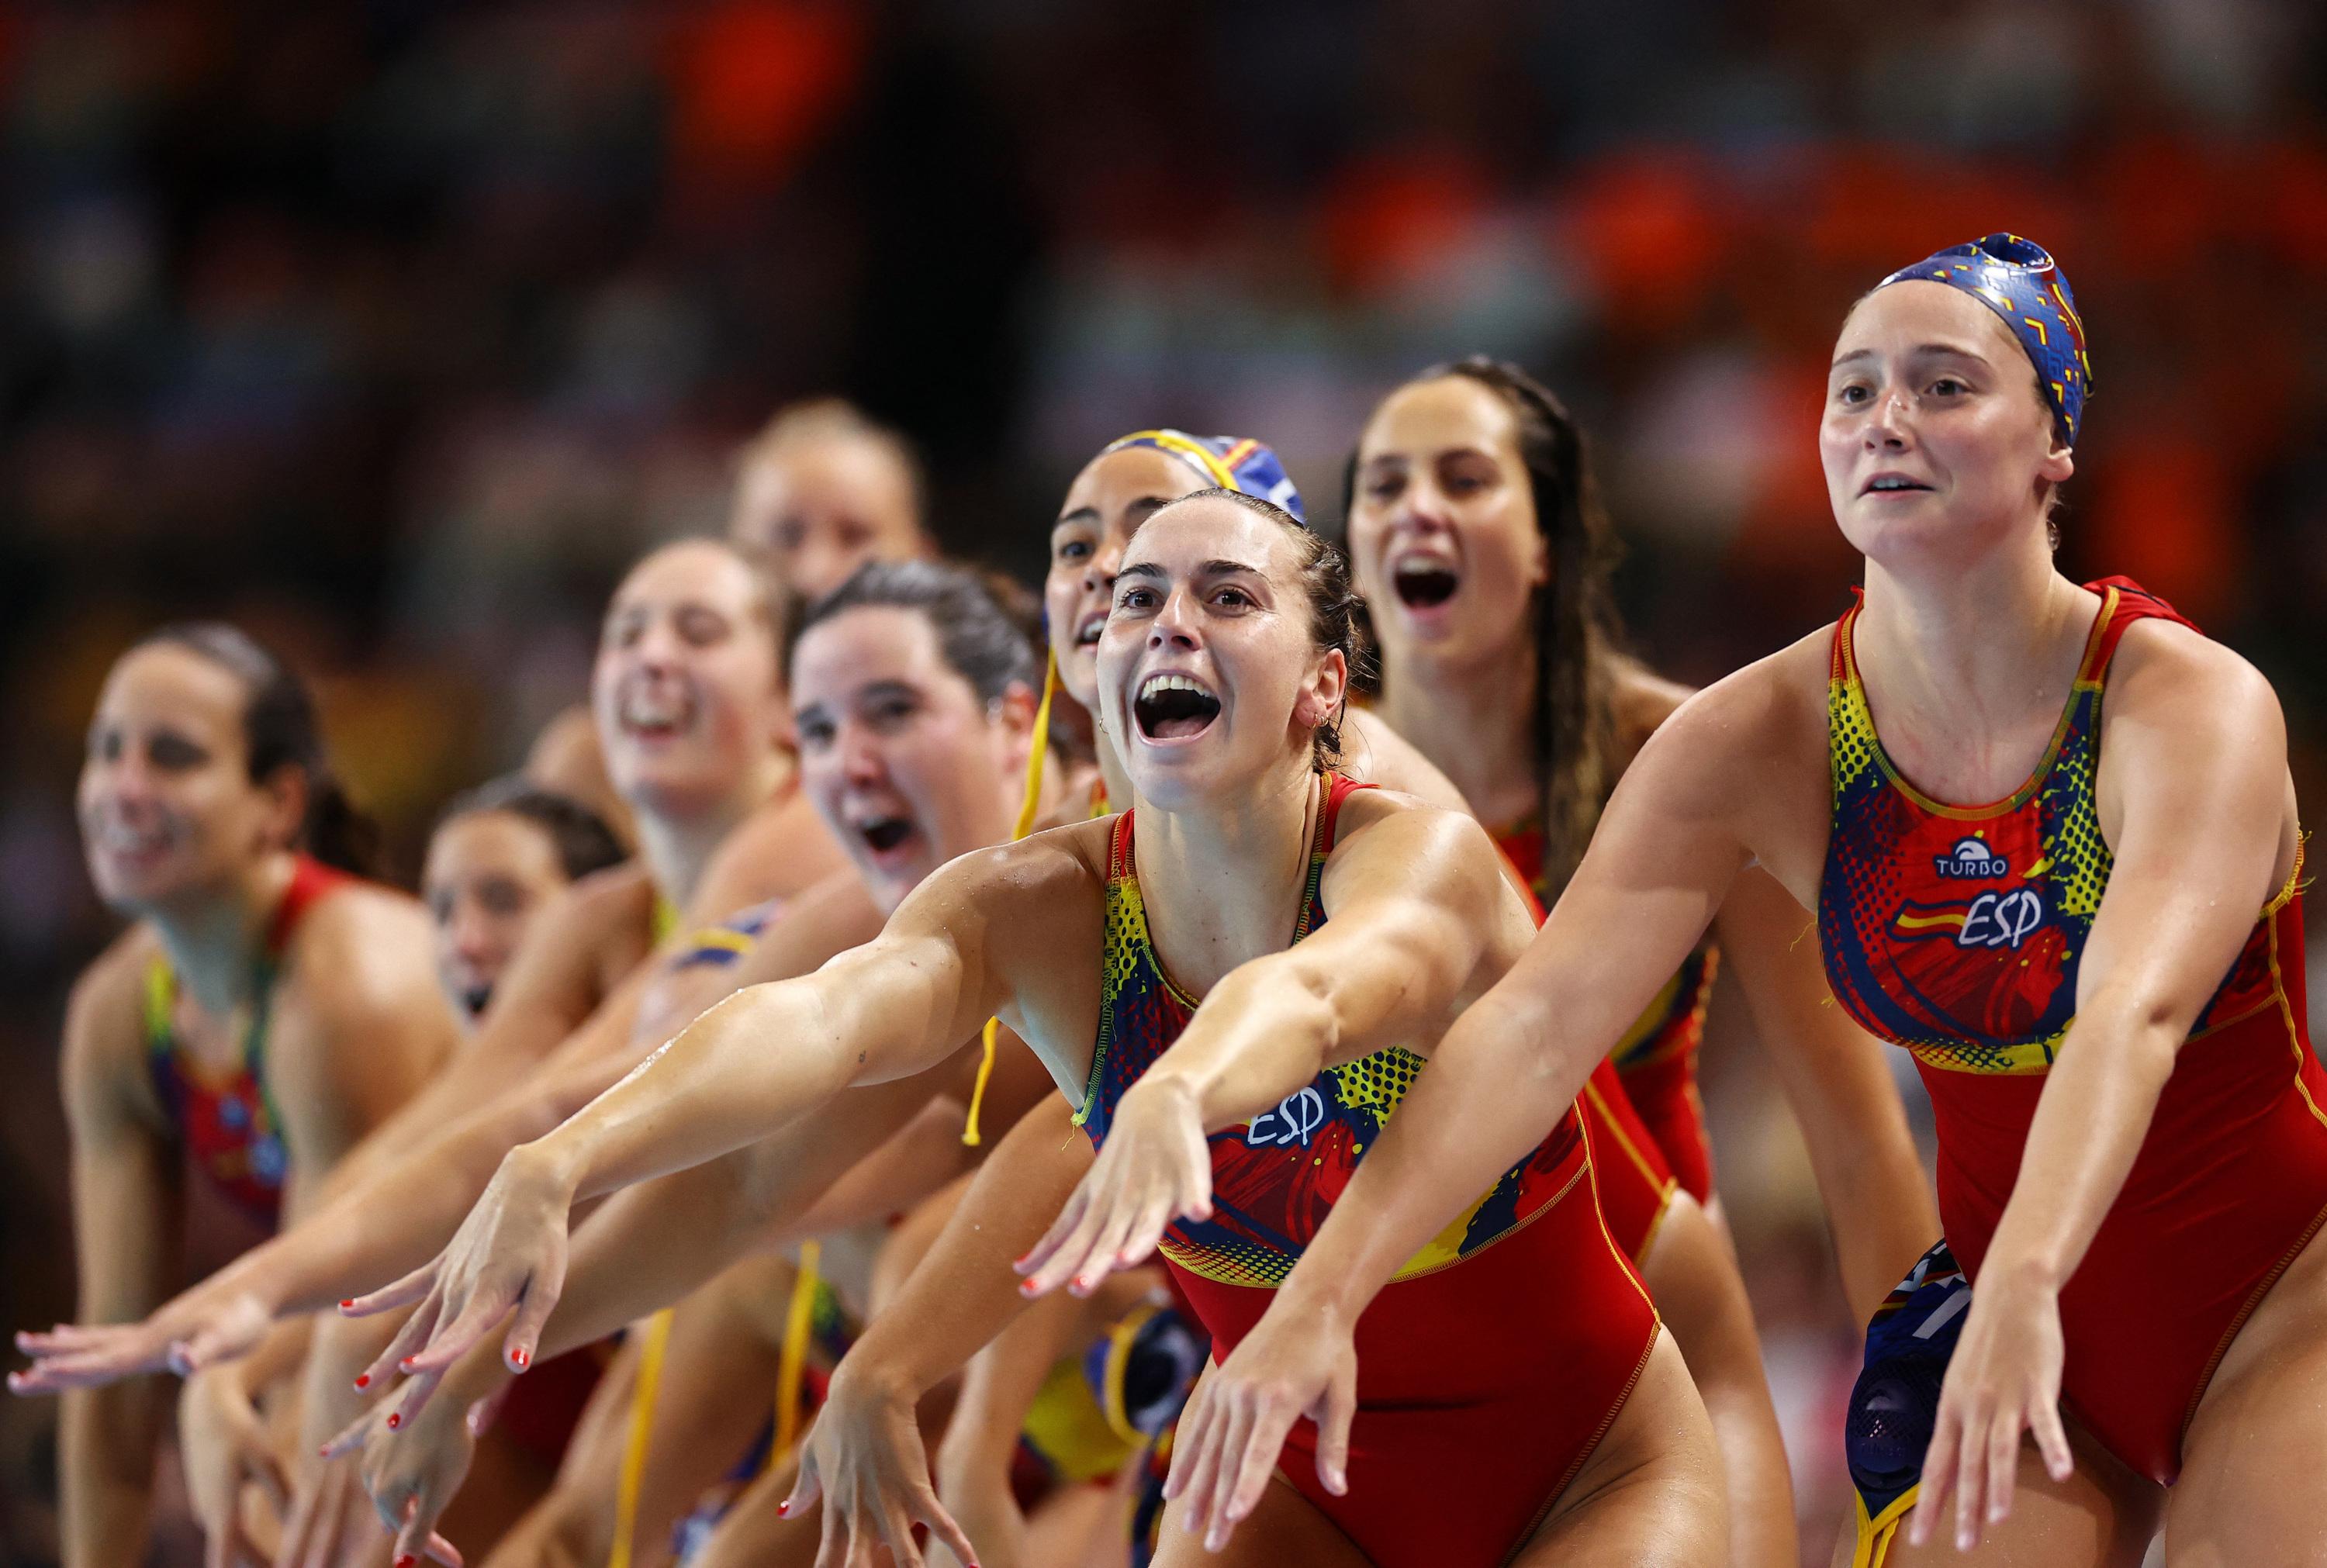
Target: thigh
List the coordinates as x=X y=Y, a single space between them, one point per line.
x=1283 y=1527
x=1652 y=1491
x=752 y=1535
x=2104 y=1516
x=2253 y=1451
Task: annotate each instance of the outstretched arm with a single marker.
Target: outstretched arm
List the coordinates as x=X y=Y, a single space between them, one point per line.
x=741 y=1072
x=2195 y=797
x=1878 y=1201
x=1419 y=905
x=1663 y=858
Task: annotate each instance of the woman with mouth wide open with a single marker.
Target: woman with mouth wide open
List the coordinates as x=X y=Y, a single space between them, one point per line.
x=1298 y=946
x=265 y=1011
x=2103 y=993
x=1478 y=545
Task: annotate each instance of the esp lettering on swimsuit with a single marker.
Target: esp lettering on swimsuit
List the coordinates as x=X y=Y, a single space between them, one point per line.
x=2002 y=919
x=1295 y=1120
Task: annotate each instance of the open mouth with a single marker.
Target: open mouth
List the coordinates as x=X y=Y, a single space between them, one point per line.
x=654 y=714
x=476 y=999
x=1892 y=484
x=883 y=834
x=1423 y=585
x=1087 y=633
x=1173 y=707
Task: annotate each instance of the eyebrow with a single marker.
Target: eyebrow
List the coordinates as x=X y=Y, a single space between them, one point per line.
x=1921 y=350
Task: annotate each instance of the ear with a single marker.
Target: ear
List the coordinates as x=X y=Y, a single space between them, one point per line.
x=1539 y=560
x=1014 y=710
x=284 y=813
x=1322 y=693
x=2060 y=461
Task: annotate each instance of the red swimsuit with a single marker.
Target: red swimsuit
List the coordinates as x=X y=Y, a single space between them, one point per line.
x=231 y=1129
x=1956 y=931
x=1488 y=1369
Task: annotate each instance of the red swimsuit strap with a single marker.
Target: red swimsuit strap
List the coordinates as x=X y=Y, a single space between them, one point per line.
x=2133 y=602
x=311 y=880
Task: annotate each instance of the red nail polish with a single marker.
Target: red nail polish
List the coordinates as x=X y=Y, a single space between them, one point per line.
x=395 y=1419
x=406 y=1560
x=521 y=1359
x=1026 y=1287
x=405 y=1365
x=347 y=1303
x=364 y=1381
x=783 y=1510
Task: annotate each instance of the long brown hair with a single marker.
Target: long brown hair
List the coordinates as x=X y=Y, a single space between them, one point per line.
x=1572 y=625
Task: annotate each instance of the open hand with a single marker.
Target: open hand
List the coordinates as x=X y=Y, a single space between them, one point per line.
x=2002 y=1379
x=1291 y=1365
x=864 y=1458
x=201 y=1329
x=508 y=1256
x=1154 y=1166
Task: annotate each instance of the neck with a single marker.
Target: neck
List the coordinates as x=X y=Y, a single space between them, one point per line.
x=677 y=846
x=1475 y=722
x=1223 y=887
x=1112 y=772
x=1976 y=640
x=215 y=941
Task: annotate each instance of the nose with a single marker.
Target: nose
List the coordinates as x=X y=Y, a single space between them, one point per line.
x=1889 y=421
x=1174 y=625
x=860 y=756
x=1099 y=573
x=472 y=933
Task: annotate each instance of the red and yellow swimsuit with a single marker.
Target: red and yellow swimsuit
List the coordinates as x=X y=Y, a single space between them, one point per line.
x=1657 y=1058
x=1492 y=1364
x=232 y=1130
x=1956 y=932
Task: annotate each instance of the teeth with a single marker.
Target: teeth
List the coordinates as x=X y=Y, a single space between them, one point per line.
x=1895 y=484
x=653 y=710
x=1170 y=683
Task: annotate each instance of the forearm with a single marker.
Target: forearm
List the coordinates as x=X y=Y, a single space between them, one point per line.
x=2095 y=1111
x=1502 y=1076
x=653 y=1243
x=1265 y=1031
x=105 y=1470
x=964 y=1292
x=1880 y=1212
x=737 y=1073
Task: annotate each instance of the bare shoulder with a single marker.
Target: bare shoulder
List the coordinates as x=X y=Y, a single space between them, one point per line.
x=2166 y=673
x=105 y=1017
x=362 y=951
x=1372 y=753
x=1420 y=844
x=1640 y=701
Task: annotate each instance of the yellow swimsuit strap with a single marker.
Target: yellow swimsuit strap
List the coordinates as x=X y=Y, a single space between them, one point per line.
x=1027 y=805
x=798 y=1323
x=634 y=1451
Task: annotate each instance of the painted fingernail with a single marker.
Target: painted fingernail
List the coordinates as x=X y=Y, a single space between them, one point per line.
x=395 y=1419
x=406 y=1560
x=1026 y=1287
x=783 y=1509
x=405 y=1365
x=364 y=1380
x=521 y=1359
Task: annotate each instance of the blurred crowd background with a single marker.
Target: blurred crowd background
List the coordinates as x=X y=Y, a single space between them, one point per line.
x=392 y=330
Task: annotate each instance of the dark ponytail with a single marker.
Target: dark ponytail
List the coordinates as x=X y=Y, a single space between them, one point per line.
x=280 y=729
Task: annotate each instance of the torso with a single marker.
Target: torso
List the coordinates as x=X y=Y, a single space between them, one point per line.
x=226 y=1117
x=1957 y=932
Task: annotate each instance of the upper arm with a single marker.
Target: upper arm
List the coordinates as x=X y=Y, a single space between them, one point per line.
x=1418 y=907
x=370 y=1025
x=124 y=1185
x=2194 y=796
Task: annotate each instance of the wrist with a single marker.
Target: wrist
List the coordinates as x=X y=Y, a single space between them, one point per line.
x=550 y=1162
x=2021 y=1270
x=873 y=1380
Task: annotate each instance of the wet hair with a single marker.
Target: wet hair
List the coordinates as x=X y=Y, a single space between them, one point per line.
x=815 y=419
x=280 y=729
x=582 y=841
x=981 y=640
x=1335 y=611
x=1574 y=627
